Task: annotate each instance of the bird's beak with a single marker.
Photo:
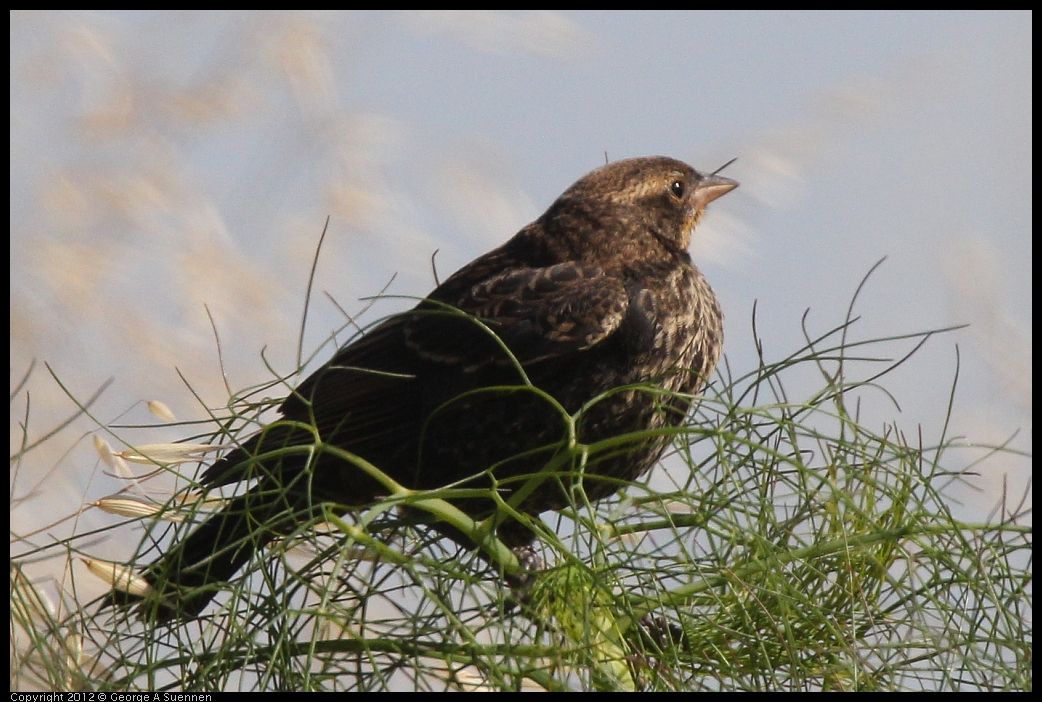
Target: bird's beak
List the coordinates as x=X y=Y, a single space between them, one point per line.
x=711 y=187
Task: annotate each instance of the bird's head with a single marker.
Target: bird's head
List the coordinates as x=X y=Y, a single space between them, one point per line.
x=641 y=207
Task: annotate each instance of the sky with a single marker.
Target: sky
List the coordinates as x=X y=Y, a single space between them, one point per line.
x=173 y=168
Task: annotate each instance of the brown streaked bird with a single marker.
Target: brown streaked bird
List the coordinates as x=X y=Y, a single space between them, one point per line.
x=598 y=293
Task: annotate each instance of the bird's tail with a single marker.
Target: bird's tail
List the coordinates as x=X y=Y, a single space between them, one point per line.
x=189 y=575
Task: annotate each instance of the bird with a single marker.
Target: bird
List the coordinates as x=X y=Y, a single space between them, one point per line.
x=594 y=312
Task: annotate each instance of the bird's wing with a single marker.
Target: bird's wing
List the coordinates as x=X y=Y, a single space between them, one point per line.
x=537 y=313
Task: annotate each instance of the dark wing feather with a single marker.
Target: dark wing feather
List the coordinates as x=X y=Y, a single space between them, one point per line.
x=375 y=394
x=538 y=313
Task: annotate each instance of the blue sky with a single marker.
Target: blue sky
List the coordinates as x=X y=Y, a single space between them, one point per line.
x=161 y=162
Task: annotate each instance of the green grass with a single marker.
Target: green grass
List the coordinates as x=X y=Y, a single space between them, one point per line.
x=783 y=545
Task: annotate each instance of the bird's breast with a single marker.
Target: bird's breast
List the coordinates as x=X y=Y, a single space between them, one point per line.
x=673 y=322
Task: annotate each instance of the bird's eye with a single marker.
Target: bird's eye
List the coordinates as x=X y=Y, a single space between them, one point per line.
x=678 y=188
